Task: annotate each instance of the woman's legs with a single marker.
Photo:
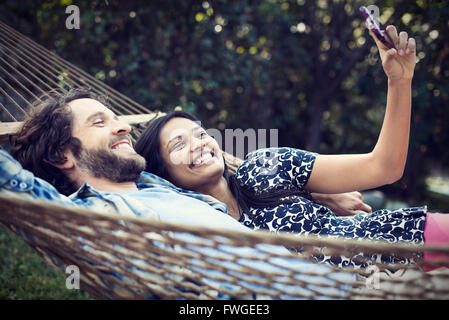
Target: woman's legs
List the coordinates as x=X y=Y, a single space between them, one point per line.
x=436 y=231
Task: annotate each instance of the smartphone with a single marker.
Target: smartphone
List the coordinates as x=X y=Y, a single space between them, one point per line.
x=376 y=28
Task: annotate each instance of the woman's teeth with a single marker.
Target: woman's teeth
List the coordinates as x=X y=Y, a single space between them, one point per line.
x=205 y=157
x=202 y=159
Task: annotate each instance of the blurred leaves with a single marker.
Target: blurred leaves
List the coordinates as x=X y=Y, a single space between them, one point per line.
x=308 y=68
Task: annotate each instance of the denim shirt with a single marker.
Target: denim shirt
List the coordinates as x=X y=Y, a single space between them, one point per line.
x=13 y=177
x=159 y=199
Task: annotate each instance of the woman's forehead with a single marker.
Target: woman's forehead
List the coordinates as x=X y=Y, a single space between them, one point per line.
x=179 y=126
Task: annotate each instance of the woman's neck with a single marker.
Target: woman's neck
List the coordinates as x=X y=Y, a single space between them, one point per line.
x=220 y=191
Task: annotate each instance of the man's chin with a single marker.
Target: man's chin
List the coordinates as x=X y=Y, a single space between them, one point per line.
x=115 y=166
x=126 y=154
x=133 y=160
x=123 y=151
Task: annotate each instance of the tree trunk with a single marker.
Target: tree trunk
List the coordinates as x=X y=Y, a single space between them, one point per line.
x=317 y=108
x=412 y=174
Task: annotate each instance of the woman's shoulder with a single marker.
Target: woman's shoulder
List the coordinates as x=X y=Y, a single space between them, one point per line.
x=277 y=165
x=275 y=157
x=263 y=155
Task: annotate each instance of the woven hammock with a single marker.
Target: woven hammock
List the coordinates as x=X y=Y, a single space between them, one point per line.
x=128 y=257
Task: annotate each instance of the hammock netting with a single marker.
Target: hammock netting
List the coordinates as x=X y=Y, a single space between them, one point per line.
x=121 y=257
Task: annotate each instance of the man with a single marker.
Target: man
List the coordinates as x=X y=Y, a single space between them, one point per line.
x=83 y=149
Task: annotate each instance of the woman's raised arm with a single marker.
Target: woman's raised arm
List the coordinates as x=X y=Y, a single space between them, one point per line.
x=385 y=163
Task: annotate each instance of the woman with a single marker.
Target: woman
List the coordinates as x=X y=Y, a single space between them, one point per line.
x=268 y=190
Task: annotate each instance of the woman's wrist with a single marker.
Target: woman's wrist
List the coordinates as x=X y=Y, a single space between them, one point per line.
x=403 y=82
x=319 y=197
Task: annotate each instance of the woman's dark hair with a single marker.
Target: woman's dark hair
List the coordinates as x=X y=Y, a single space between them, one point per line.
x=46 y=134
x=148 y=146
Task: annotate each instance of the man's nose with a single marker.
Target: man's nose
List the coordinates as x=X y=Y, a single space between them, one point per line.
x=121 y=127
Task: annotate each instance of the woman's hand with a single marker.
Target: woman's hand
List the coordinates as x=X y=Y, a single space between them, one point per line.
x=399 y=62
x=386 y=162
x=343 y=204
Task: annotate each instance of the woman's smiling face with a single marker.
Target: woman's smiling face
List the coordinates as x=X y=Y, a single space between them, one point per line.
x=192 y=157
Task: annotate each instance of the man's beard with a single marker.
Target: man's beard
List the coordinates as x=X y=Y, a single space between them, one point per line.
x=106 y=164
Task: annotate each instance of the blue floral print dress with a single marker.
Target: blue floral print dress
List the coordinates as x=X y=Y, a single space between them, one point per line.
x=265 y=170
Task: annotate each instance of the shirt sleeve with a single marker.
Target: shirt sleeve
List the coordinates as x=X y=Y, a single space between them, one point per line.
x=13 y=178
x=276 y=168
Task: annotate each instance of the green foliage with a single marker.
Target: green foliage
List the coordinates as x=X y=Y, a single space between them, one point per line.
x=307 y=68
x=24 y=275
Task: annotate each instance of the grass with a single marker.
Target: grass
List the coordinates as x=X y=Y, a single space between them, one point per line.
x=24 y=275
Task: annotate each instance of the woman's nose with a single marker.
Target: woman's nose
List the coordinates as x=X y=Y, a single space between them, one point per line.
x=197 y=143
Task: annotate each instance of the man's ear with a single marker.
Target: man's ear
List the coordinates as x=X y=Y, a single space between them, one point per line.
x=68 y=162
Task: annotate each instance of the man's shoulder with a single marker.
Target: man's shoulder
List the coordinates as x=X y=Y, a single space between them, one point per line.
x=147 y=178
x=8 y=165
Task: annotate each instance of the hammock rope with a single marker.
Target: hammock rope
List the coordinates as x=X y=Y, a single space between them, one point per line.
x=64 y=74
x=125 y=257
x=103 y=245
x=81 y=76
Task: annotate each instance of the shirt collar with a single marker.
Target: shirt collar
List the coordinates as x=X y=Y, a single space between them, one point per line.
x=85 y=191
x=149 y=180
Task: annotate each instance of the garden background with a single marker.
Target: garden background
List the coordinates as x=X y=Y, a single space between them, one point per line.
x=306 y=68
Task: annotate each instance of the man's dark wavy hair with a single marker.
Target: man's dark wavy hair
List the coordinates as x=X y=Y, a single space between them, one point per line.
x=46 y=134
